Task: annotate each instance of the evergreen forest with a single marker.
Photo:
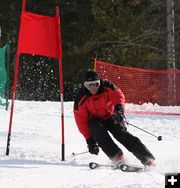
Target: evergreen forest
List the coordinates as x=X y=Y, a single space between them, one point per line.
x=129 y=33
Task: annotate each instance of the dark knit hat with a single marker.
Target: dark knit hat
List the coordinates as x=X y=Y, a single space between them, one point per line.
x=91 y=76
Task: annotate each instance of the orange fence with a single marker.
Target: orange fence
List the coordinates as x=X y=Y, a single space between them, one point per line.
x=141 y=85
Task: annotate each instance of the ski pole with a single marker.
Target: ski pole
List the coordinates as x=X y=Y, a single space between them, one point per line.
x=75 y=154
x=158 y=137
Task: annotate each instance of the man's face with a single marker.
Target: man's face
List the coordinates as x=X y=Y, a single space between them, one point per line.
x=92 y=86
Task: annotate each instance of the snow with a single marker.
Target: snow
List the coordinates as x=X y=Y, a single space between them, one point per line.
x=35 y=149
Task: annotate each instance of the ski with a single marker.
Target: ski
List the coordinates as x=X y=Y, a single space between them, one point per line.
x=122 y=167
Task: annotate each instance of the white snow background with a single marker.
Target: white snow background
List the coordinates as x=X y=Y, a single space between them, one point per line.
x=35 y=149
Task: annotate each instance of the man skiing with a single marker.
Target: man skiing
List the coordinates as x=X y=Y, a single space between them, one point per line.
x=98 y=111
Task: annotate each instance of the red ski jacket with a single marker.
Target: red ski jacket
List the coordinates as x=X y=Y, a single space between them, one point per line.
x=100 y=105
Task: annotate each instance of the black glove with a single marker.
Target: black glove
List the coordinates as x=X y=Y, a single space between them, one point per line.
x=92 y=146
x=119 y=108
x=118 y=115
x=118 y=118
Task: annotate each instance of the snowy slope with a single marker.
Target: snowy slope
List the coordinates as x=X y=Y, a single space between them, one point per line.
x=35 y=150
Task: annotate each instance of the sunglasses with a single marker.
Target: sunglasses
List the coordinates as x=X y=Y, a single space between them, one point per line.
x=92 y=84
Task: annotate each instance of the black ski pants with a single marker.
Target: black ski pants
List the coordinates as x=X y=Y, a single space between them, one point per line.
x=100 y=130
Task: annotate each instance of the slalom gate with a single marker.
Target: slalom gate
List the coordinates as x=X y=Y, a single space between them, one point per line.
x=4 y=65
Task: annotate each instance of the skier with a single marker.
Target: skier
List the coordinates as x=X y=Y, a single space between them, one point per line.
x=98 y=110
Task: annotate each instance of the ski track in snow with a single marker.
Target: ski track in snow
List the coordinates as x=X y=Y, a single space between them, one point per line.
x=35 y=149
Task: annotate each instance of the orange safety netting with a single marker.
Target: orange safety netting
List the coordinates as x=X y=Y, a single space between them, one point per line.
x=141 y=85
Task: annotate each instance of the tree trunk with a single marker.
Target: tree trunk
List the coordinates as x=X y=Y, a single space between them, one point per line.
x=171 y=52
